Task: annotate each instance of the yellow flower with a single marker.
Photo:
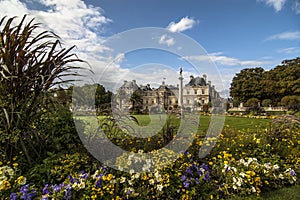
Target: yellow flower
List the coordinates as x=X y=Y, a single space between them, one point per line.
x=225 y=162
x=15 y=165
x=266 y=182
x=4 y=185
x=210 y=163
x=109 y=177
x=21 y=180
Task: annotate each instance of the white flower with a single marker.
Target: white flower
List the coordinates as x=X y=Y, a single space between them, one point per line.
x=268 y=165
x=130 y=182
x=157 y=176
x=81 y=185
x=131 y=171
x=159 y=187
x=140 y=151
x=234 y=187
x=242 y=174
x=151 y=181
x=253 y=189
x=234 y=169
x=234 y=179
x=3 y=178
x=123 y=179
x=276 y=167
x=136 y=176
x=281 y=176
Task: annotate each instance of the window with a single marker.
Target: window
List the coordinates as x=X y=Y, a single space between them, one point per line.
x=187 y=92
x=188 y=101
x=203 y=91
x=152 y=101
x=146 y=101
x=195 y=91
x=170 y=102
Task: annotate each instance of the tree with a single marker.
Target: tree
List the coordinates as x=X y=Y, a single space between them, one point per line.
x=291 y=102
x=266 y=102
x=247 y=84
x=136 y=102
x=32 y=62
x=283 y=80
x=102 y=99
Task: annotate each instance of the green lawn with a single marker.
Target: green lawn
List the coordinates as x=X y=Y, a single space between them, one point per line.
x=291 y=193
x=237 y=123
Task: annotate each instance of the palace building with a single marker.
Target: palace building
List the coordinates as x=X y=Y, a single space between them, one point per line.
x=192 y=96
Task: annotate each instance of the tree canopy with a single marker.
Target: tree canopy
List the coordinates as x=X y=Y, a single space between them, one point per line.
x=281 y=81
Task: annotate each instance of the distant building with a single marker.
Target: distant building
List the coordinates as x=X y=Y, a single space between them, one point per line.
x=196 y=93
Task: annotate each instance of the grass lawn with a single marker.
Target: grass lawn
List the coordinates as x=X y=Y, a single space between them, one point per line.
x=291 y=193
x=237 y=123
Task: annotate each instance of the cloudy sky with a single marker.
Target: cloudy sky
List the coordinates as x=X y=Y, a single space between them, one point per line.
x=217 y=38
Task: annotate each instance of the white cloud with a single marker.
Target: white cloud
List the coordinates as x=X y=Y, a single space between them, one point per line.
x=296 y=6
x=167 y=40
x=290 y=50
x=277 y=4
x=221 y=59
x=77 y=24
x=184 y=24
x=289 y=35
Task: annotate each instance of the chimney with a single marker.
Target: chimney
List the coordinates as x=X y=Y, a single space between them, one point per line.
x=191 y=77
x=204 y=77
x=209 y=82
x=134 y=81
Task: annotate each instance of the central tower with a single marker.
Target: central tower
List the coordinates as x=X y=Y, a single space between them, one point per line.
x=180 y=99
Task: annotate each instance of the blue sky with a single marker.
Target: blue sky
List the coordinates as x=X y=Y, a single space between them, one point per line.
x=233 y=34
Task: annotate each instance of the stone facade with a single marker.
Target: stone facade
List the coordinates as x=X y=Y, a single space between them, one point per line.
x=196 y=93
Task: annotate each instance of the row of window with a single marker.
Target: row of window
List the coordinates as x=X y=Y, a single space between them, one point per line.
x=196 y=91
x=152 y=101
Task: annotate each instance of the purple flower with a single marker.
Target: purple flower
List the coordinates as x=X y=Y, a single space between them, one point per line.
x=200 y=172
x=197 y=181
x=99 y=182
x=13 y=196
x=84 y=175
x=57 y=188
x=292 y=173
x=183 y=177
x=72 y=180
x=45 y=189
x=206 y=177
x=227 y=169
x=68 y=193
x=45 y=197
x=24 y=189
x=186 y=184
x=204 y=166
x=189 y=171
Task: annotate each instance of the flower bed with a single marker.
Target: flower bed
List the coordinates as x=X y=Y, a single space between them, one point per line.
x=241 y=163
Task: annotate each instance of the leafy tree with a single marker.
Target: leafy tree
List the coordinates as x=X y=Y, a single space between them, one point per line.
x=102 y=99
x=283 y=80
x=253 y=102
x=247 y=84
x=266 y=102
x=291 y=102
x=136 y=102
x=32 y=62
